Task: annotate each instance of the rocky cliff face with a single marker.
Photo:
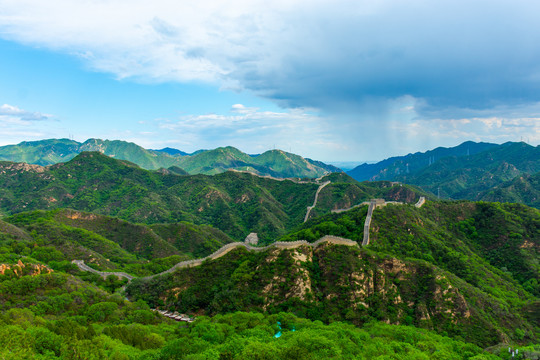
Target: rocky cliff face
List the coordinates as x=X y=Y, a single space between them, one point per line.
x=21 y=269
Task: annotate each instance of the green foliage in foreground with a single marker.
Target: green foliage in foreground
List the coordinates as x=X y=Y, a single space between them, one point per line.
x=63 y=318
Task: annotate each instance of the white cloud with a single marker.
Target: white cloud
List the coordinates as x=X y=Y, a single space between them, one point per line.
x=241 y=109
x=301 y=53
x=493 y=129
x=389 y=69
x=18 y=125
x=254 y=131
x=13 y=114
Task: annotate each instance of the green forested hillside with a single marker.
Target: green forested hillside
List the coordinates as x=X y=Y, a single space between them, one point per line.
x=106 y=243
x=467 y=270
x=524 y=189
x=45 y=152
x=466 y=177
x=470 y=171
x=390 y=168
x=63 y=317
x=422 y=268
x=236 y=203
x=344 y=192
x=444 y=266
x=447 y=234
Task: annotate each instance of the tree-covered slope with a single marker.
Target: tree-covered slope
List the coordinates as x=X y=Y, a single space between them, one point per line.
x=344 y=192
x=107 y=243
x=236 y=203
x=468 y=171
x=52 y=151
x=44 y=152
x=468 y=239
x=467 y=177
x=443 y=267
x=57 y=316
x=524 y=189
x=392 y=167
x=60 y=312
x=333 y=283
x=465 y=269
x=291 y=165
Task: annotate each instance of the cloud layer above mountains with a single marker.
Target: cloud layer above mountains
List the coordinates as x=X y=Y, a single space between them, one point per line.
x=348 y=74
x=334 y=56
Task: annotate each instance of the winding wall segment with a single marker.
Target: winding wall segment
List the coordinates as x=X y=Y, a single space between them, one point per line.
x=278 y=244
x=82 y=266
x=294 y=180
x=367 y=223
x=224 y=250
x=315 y=200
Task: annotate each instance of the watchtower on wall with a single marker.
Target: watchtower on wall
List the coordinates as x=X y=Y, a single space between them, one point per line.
x=252 y=239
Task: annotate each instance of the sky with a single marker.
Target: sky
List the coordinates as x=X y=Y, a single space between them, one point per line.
x=340 y=80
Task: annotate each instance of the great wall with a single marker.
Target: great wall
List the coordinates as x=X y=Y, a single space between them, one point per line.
x=335 y=240
x=222 y=251
x=315 y=200
x=373 y=204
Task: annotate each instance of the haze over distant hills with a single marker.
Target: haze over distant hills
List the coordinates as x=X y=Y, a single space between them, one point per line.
x=276 y=163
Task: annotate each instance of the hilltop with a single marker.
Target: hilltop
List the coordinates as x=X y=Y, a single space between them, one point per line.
x=524 y=189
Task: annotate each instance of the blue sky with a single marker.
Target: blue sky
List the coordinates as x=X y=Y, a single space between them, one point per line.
x=340 y=80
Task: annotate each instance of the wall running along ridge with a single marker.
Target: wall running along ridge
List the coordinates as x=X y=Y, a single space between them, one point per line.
x=224 y=250
x=279 y=244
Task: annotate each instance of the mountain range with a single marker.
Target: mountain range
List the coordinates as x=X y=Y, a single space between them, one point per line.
x=469 y=171
x=276 y=163
x=463 y=269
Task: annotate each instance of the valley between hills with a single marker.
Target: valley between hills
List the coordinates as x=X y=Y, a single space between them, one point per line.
x=454 y=277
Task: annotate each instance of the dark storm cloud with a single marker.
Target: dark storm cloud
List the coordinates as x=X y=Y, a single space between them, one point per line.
x=467 y=55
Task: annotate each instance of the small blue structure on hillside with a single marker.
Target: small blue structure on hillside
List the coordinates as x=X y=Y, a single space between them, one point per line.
x=278 y=334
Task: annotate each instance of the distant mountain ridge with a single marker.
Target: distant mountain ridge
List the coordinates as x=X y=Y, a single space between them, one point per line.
x=171 y=151
x=468 y=171
x=275 y=163
x=390 y=168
